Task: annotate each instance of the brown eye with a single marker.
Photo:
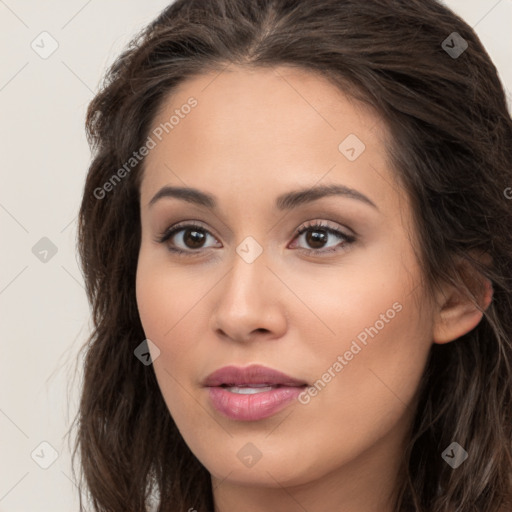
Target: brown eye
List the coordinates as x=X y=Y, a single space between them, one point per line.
x=188 y=238
x=193 y=238
x=316 y=236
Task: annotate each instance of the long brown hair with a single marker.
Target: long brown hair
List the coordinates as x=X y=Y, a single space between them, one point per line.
x=451 y=151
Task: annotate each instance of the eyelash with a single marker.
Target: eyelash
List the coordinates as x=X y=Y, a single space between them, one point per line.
x=310 y=226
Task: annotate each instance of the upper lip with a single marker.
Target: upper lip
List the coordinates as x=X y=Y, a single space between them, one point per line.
x=253 y=374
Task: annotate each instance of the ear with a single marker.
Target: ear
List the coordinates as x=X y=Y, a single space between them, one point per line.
x=456 y=313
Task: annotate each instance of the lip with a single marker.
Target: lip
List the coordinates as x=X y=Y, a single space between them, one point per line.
x=253 y=374
x=251 y=407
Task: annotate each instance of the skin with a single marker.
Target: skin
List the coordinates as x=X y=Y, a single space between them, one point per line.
x=256 y=134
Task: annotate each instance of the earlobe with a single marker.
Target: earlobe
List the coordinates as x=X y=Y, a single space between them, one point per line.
x=457 y=314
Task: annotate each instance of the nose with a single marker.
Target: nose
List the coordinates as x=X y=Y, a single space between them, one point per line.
x=249 y=302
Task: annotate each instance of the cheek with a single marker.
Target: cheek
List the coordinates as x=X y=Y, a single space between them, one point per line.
x=169 y=301
x=367 y=378
x=163 y=300
x=165 y=295
x=367 y=372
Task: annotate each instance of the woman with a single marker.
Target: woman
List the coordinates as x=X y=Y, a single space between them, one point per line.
x=295 y=235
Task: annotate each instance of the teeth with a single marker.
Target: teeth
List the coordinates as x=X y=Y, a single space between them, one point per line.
x=250 y=390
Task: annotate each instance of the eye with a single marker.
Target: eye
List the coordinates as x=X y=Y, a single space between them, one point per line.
x=317 y=234
x=187 y=238
x=191 y=237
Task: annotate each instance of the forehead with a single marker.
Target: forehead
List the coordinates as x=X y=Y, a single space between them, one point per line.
x=263 y=129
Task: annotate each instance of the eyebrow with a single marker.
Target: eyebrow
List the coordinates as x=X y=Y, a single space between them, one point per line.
x=285 y=201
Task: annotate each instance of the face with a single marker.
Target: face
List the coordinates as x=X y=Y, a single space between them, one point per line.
x=339 y=307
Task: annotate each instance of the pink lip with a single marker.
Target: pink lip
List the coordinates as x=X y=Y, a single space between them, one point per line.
x=253 y=374
x=256 y=406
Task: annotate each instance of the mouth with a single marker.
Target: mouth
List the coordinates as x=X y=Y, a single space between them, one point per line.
x=251 y=393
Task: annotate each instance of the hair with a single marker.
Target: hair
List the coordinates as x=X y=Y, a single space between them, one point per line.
x=451 y=151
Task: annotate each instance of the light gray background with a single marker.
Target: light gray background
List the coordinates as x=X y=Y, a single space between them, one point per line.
x=44 y=158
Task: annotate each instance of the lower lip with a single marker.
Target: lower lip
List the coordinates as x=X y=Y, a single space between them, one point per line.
x=252 y=407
